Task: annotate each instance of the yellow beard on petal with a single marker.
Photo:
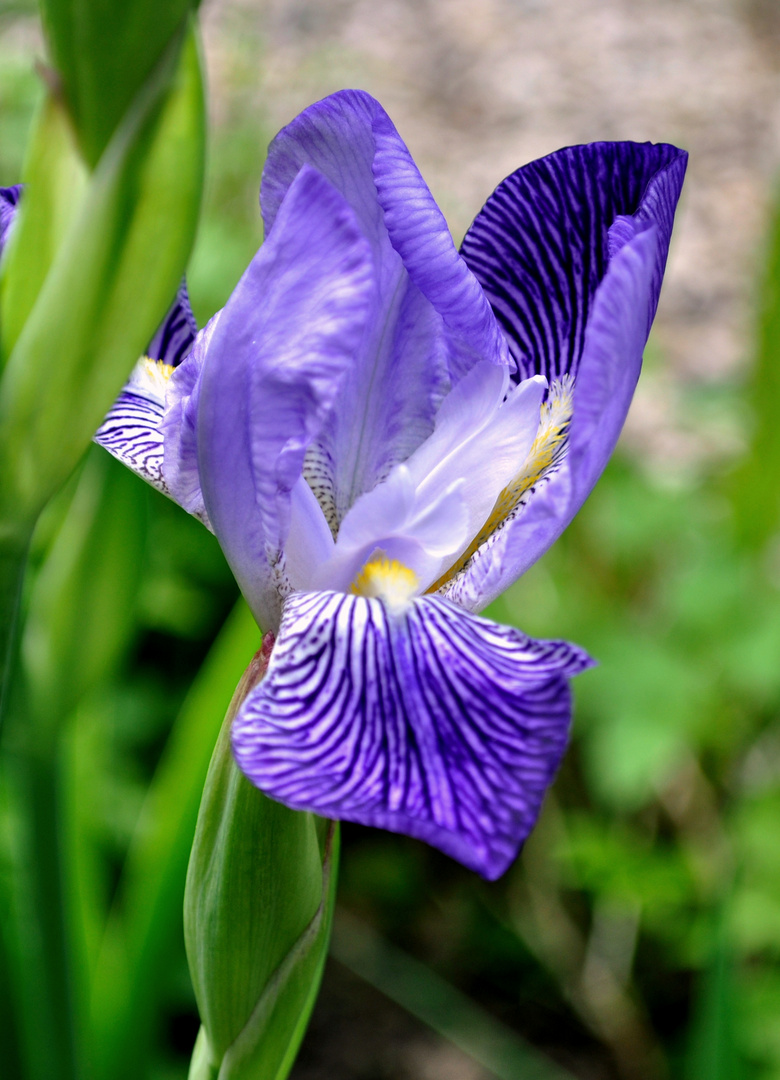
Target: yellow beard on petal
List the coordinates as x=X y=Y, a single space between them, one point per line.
x=386 y=579
x=158 y=372
x=547 y=449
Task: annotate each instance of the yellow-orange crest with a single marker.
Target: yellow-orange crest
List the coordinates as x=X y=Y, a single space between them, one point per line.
x=386 y=579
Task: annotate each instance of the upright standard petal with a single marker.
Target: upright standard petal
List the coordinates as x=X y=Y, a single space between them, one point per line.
x=430 y=320
x=350 y=138
x=132 y=430
x=541 y=244
x=276 y=362
x=571 y=252
x=427 y=721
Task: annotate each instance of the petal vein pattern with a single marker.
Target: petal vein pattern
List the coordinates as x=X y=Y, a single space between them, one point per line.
x=541 y=244
x=434 y=722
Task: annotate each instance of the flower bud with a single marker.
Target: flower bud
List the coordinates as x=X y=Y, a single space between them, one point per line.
x=257 y=912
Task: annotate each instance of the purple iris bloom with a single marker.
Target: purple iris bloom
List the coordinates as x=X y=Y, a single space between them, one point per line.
x=384 y=433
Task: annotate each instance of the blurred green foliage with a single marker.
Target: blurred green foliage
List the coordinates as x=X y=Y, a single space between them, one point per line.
x=103 y=54
x=638 y=936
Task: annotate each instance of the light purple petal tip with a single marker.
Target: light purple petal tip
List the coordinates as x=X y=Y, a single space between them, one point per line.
x=419 y=233
x=432 y=722
x=350 y=139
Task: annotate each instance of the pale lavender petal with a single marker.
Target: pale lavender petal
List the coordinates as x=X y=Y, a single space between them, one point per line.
x=540 y=245
x=433 y=722
x=419 y=233
x=430 y=321
x=276 y=362
x=9 y=202
x=434 y=504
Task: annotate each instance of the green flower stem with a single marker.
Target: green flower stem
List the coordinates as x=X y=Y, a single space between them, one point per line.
x=257 y=913
x=13 y=560
x=147 y=910
x=44 y=970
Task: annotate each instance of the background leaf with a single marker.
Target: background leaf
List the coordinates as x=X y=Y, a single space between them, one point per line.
x=104 y=52
x=108 y=288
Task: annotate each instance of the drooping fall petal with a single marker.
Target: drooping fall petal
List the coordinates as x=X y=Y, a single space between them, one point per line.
x=430 y=722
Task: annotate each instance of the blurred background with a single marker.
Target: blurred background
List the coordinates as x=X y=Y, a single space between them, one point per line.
x=638 y=935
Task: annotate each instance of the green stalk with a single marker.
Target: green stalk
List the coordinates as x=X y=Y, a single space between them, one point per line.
x=13 y=560
x=44 y=962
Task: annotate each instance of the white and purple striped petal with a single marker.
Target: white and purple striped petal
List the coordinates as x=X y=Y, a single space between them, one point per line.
x=132 y=430
x=431 y=722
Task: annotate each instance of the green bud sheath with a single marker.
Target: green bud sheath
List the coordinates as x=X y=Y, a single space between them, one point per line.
x=257 y=912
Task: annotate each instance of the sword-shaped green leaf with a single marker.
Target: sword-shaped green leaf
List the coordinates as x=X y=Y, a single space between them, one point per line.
x=104 y=52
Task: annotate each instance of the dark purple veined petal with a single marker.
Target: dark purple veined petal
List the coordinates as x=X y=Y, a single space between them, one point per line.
x=430 y=320
x=430 y=722
x=609 y=369
x=132 y=429
x=277 y=360
x=540 y=246
x=177 y=331
x=9 y=201
x=571 y=251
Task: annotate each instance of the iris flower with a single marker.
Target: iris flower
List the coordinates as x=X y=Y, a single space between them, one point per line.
x=384 y=433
